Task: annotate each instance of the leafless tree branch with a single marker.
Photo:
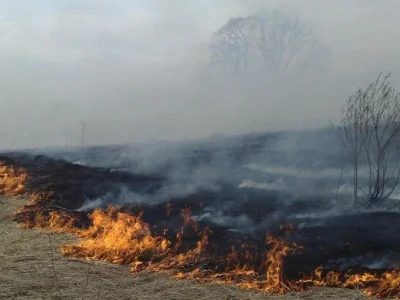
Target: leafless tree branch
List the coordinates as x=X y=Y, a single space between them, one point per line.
x=370 y=130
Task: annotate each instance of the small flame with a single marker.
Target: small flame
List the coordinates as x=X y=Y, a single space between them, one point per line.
x=12 y=180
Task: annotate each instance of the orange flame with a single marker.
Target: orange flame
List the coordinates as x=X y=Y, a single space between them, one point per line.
x=123 y=238
x=12 y=180
x=119 y=238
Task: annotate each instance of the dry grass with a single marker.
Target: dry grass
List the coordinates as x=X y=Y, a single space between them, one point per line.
x=27 y=271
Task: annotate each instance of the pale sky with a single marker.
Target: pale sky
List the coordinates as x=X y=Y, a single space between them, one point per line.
x=133 y=70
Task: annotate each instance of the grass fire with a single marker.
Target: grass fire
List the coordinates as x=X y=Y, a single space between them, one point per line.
x=232 y=150
x=273 y=262
x=246 y=215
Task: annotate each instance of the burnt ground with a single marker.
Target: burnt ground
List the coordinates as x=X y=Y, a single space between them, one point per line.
x=353 y=240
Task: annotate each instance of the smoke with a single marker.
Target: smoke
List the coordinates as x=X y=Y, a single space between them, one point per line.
x=250 y=183
x=139 y=71
x=246 y=182
x=138 y=74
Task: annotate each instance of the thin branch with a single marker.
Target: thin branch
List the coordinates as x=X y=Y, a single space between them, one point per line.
x=52 y=257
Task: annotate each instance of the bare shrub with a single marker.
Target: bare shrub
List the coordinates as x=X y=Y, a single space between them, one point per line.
x=369 y=129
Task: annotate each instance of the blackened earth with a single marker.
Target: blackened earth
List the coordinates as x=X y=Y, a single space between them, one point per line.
x=333 y=235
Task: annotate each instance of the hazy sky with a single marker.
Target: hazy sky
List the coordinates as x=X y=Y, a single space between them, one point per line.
x=133 y=70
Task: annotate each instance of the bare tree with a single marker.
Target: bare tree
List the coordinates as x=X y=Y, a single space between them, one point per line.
x=370 y=129
x=350 y=131
x=271 y=42
x=280 y=40
x=231 y=43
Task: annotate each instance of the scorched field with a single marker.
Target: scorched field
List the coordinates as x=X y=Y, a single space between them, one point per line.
x=246 y=217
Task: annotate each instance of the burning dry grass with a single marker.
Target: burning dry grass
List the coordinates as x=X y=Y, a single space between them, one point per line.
x=12 y=180
x=26 y=272
x=123 y=238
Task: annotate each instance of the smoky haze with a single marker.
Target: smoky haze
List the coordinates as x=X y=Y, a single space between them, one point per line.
x=140 y=70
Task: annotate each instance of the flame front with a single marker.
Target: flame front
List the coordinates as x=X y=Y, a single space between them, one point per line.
x=123 y=238
x=118 y=237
